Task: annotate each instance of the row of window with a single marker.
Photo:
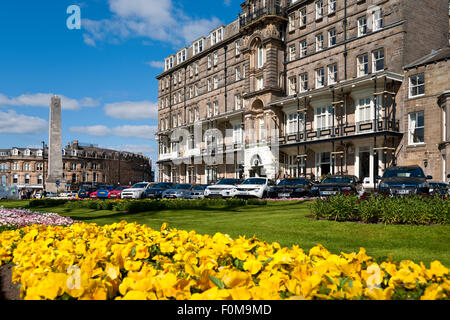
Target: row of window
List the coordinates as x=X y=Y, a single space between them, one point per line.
x=15 y=166
x=319 y=13
x=329 y=75
x=376 y=17
x=320 y=43
x=216 y=36
x=212 y=110
x=26 y=180
x=193 y=91
x=26 y=152
x=212 y=60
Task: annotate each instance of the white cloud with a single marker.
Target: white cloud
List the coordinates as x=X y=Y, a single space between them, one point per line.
x=43 y=100
x=156 y=64
x=97 y=131
x=12 y=122
x=143 y=132
x=152 y=19
x=132 y=110
x=127 y=131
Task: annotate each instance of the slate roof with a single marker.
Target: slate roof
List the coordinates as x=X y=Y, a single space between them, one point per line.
x=434 y=56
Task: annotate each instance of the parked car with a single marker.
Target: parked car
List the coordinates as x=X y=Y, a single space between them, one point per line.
x=404 y=180
x=67 y=195
x=254 y=188
x=179 y=191
x=117 y=192
x=137 y=191
x=291 y=188
x=197 y=192
x=337 y=184
x=85 y=193
x=156 y=191
x=93 y=195
x=224 y=188
x=103 y=192
x=51 y=195
x=440 y=188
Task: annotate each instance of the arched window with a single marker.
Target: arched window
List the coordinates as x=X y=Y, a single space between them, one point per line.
x=27 y=179
x=39 y=179
x=3 y=181
x=15 y=179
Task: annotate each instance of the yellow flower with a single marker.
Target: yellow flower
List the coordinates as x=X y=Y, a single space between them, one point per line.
x=135 y=295
x=240 y=293
x=253 y=266
x=235 y=279
x=434 y=292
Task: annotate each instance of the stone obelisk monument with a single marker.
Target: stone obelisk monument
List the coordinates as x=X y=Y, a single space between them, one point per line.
x=54 y=181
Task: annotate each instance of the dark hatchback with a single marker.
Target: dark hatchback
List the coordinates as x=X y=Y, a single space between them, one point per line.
x=401 y=181
x=86 y=193
x=290 y=188
x=333 y=185
x=156 y=191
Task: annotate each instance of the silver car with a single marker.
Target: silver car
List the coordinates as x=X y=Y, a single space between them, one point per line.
x=179 y=191
x=197 y=192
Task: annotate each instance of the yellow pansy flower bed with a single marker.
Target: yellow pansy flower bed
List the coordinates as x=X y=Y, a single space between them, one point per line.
x=132 y=261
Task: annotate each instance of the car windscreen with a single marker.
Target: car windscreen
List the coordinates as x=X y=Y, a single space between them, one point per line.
x=182 y=186
x=228 y=181
x=254 y=181
x=338 y=180
x=140 y=186
x=404 y=173
x=162 y=186
x=120 y=188
x=293 y=182
x=197 y=188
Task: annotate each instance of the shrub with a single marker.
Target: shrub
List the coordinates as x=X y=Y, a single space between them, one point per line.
x=415 y=210
x=136 y=206
x=46 y=203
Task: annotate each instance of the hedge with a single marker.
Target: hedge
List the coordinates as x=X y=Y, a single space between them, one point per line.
x=416 y=210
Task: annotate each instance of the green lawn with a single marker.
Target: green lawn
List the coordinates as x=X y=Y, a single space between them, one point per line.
x=287 y=223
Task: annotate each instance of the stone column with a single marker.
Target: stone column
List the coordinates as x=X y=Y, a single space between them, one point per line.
x=55 y=163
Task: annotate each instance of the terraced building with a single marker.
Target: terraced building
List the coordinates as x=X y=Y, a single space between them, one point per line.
x=301 y=87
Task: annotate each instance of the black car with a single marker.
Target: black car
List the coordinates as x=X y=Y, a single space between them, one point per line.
x=336 y=184
x=290 y=188
x=86 y=192
x=157 y=190
x=440 y=188
x=405 y=180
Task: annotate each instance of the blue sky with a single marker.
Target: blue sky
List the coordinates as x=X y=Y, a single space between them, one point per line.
x=105 y=72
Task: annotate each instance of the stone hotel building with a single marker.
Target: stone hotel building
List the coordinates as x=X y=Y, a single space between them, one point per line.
x=310 y=87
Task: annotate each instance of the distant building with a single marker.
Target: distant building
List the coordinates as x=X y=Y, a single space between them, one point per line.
x=82 y=165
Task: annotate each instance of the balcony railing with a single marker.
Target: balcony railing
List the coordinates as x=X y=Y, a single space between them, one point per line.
x=340 y=131
x=274 y=10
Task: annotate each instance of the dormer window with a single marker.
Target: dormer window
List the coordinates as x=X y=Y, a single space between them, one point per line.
x=15 y=152
x=74 y=153
x=181 y=56
x=169 y=63
x=217 y=36
x=198 y=46
x=39 y=153
x=27 y=152
x=63 y=152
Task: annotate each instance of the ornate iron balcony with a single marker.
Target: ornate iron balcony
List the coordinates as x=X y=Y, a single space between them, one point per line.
x=274 y=10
